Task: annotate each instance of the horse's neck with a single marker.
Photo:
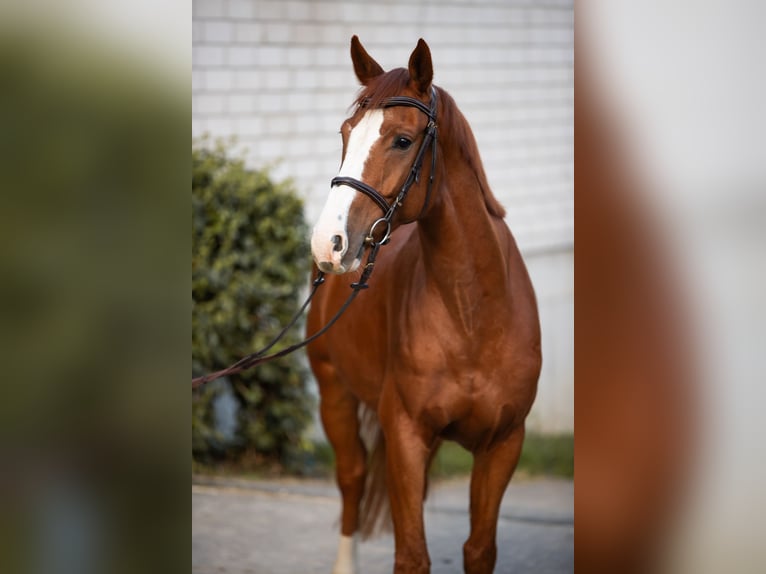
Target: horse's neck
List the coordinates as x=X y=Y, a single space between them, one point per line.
x=465 y=257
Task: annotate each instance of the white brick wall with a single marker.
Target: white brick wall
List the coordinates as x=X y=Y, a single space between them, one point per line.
x=277 y=74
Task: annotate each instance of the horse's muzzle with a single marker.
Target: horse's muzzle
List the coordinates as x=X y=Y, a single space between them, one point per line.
x=331 y=253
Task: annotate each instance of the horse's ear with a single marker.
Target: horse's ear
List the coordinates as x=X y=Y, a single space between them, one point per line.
x=420 y=67
x=365 y=67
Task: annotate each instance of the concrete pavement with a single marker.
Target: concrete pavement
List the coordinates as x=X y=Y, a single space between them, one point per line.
x=291 y=527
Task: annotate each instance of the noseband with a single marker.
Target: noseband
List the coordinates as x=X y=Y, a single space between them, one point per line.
x=389 y=209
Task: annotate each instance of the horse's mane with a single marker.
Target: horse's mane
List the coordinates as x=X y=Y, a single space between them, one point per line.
x=452 y=124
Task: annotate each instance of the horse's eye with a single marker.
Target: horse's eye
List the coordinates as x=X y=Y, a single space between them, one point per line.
x=402 y=142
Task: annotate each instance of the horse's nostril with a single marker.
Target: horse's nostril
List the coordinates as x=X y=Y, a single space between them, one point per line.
x=337 y=243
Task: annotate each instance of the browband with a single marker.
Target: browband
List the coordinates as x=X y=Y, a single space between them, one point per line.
x=412 y=102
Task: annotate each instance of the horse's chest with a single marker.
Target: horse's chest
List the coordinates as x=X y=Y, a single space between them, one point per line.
x=404 y=340
x=429 y=333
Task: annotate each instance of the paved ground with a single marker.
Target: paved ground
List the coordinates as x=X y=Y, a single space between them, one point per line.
x=290 y=527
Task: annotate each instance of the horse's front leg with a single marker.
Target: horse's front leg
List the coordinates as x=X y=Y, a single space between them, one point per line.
x=338 y=409
x=492 y=470
x=407 y=453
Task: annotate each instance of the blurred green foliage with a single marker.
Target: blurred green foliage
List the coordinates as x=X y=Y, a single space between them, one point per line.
x=250 y=265
x=542 y=454
x=94 y=320
x=551 y=454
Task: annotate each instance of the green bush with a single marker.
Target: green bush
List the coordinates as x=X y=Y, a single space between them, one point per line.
x=250 y=265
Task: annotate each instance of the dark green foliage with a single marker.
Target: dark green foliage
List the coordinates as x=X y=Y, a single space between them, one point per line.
x=250 y=266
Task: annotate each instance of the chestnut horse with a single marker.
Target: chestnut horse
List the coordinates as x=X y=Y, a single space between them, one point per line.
x=445 y=343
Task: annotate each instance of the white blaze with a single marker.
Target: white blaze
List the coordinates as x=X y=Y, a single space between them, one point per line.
x=334 y=217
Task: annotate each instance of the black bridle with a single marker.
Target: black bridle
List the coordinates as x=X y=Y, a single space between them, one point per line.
x=429 y=139
x=389 y=209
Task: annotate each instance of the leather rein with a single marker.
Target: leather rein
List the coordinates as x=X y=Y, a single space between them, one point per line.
x=389 y=210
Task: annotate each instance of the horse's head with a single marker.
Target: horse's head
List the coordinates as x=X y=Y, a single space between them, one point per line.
x=382 y=141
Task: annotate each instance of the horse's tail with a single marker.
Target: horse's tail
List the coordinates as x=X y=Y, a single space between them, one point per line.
x=374 y=510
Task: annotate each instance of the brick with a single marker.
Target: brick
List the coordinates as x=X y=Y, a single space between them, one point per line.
x=300 y=101
x=306 y=122
x=270 y=56
x=242 y=56
x=271 y=10
x=302 y=146
x=306 y=33
x=340 y=79
x=328 y=11
x=298 y=56
x=220 y=126
x=248 y=80
x=206 y=56
x=248 y=32
x=249 y=126
x=517 y=17
x=270 y=149
x=353 y=12
x=324 y=172
x=218 y=31
x=495 y=36
x=379 y=13
x=329 y=101
x=207 y=9
x=331 y=56
x=241 y=9
x=277 y=79
x=218 y=80
x=331 y=33
x=278 y=124
x=269 y=103
x=330 y=123
x=305 y=79
x=240 y=103
x=209 y=103
x=400 y=13
x=300 y=11
x=277 y=32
